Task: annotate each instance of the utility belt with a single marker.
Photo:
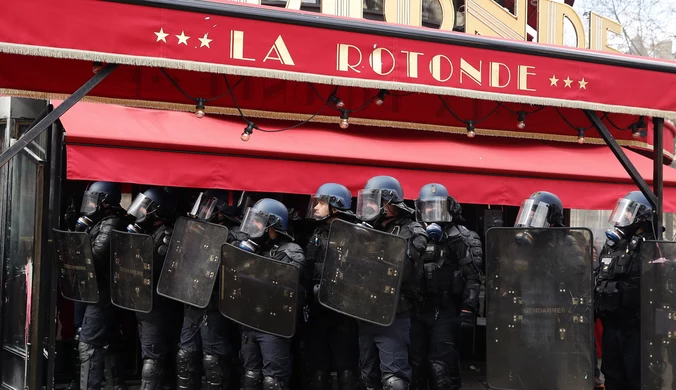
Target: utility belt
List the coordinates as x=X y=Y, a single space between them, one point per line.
x=617 y=297
x=443 y=300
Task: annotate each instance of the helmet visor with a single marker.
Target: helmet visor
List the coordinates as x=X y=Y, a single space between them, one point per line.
x=90 y=202
x=141 y=207
x=256 y=222
x=625 y=213
x=209 y=206
x=432 y=209
x=532 y=214
x=319 y=208
x=368 y=204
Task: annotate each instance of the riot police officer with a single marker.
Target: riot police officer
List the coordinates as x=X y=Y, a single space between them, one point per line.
x=266 y=358
x=331 y=341
x=384 y=350
x=101 y=213
x=617 y=291
x=449 y=285
x=205 y=330
x=154 y=214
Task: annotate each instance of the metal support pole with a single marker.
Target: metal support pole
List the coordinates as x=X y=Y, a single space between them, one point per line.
x=47 y=121
x=658 y=173
x=622 y=158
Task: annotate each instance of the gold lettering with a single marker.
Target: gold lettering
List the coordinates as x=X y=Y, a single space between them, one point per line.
x=523 y=77
x=470 y=71
x=551 y=21
x=347 y=8
x=495 y=75
x=237 y=46
x=486 y=17
x=412 y=63
x=598 y=32
x=435 y=67
x=447 y=15
x=403 y=12
x=281 y=51
x=376 y=61
x=343 y=63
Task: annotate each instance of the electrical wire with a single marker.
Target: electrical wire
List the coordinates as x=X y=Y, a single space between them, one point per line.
x=178 y=87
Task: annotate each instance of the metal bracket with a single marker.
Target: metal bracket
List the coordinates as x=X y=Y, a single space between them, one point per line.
x=621 y=157
x=52 y=117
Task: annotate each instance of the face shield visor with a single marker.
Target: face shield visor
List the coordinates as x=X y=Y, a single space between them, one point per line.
x=532 y=214
x=319 y=208
x=256 y=222
x=210 y=207
x=625 y=213
x=433 y=209
x=369 y=205
x=141 y=208
x=90 y=202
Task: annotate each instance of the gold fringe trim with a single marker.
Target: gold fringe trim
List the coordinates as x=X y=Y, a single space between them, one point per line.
x=43 y=51
x=287 y=116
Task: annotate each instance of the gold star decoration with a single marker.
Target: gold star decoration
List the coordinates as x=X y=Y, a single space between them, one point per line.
x=554 y=81
x=568 y=82
x=161 y=36
x=583 y=84
x=183 y=38
x=205 y=41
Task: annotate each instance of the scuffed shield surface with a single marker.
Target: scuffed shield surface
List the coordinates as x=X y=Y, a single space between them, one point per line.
x=77 y=276
x=658 y=315
x=259 y=292
x=362 y=272
x=540 y=314
x=131 y=270
x=192 y=263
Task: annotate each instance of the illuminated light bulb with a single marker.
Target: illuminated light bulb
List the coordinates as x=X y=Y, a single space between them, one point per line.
x=199 y=108
x=344 y=117
x=246 y=134
x=470 y=129
x=521 y=124
x=580 y=136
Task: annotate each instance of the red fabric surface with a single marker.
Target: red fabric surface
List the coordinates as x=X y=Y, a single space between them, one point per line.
x=113 y=28
x=171 y=148
x=598 y=337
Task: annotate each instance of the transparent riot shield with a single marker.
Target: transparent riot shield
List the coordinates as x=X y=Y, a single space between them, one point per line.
x=658 y=315
x=77 y=276
x=259 y=292
x=131 y=270
x=362 y=272
x=539 y=328
x=192 y=263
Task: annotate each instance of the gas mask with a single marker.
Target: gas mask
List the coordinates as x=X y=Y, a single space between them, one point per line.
x=83 y=223
x=616 y=234
x=248 y=245
x=434 y=232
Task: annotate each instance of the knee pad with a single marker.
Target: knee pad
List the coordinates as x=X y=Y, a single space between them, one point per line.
x=319 y=380
x=152 y=368
x=394 y=383
x=214 y=371
x=346 y=380
x=270 y=383
x=252 y=380
x=441 y=377
x=186 y=370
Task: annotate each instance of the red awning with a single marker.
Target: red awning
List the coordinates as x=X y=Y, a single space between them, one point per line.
x=106 y=142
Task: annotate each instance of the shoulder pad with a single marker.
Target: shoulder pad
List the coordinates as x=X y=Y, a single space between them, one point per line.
x=453 y=231
x=417 y=229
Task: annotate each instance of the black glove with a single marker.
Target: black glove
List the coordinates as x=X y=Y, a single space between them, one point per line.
x=466 y=319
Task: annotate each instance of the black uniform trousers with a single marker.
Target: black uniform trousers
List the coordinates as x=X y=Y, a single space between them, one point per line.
x=266 y=353
x=621 y=344
x=331 y=341
x=383 y=351
x=433 y=338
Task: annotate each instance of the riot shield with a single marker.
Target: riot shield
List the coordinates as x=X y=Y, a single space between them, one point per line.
x=362 y=272
x=658 y=315
x=192 y=261
x=77 y=276
x=131 y=270
x=259 y=292
x=539 y=327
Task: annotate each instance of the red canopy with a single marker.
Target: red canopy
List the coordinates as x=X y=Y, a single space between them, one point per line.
x=107 y=142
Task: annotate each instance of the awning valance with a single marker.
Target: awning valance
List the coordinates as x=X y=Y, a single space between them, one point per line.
x=107 y=142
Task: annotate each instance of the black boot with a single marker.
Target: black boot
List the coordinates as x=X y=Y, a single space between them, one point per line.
x=347 y=380
x=319 y=380
x=75 y=382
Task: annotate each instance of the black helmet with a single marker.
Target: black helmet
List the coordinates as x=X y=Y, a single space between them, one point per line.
x=151 y=205
x=266 y=213
x=632 y=209
x=97 y=194
x=541 y=209
x=214 y=205
x=331 y=194
x=379 y=190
